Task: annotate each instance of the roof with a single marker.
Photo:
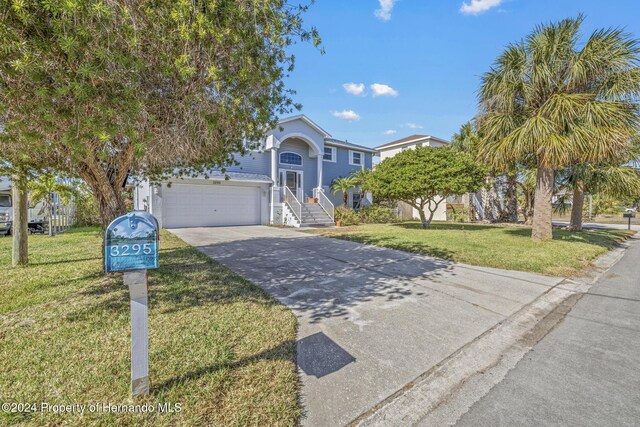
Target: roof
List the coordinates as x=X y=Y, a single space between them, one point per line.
x=346 y=144
x=412 y=138
x=308 y=121
x=216 y=175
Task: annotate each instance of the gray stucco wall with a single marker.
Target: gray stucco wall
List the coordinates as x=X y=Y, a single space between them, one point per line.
x=253 y=162
x=342 y=167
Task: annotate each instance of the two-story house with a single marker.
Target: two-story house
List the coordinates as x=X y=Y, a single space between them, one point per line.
x=297 y=161
x=411 y=142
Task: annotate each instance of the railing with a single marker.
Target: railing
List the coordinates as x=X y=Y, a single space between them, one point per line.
x=294 y=204
x=324 y=202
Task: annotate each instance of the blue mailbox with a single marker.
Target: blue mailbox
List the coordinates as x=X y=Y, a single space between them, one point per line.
x=131 y=242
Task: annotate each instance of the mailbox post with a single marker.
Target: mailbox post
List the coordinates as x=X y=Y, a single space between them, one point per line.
x=131 y=246
x=629 y=216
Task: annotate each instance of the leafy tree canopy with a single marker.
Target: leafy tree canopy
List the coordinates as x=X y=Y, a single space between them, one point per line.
x=101 y=89
x=424 y=177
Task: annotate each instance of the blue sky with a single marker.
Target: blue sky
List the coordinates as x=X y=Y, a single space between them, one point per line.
x=418 y=62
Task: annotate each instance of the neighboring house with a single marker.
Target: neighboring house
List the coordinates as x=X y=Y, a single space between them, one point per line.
x=271 y=185
x=392 y=148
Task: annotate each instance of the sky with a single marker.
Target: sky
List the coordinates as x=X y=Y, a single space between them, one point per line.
x=394 y=68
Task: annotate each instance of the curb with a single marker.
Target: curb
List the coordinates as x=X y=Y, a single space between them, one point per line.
x=441 y=395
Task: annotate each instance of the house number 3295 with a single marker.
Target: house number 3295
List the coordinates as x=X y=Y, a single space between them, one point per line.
x=130 y=250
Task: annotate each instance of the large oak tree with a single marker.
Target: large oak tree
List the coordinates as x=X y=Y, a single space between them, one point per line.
x=101 y=89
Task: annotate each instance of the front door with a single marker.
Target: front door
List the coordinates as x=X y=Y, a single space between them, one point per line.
x=293 y=180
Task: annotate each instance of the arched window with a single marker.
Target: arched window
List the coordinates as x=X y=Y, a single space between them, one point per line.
x=288 y=158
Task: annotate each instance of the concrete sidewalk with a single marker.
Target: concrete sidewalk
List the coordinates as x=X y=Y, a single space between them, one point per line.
x=371 y=319
x=586 y=372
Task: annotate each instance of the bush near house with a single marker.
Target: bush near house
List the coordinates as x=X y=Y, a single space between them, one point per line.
x=346 y=216
x=374 y=214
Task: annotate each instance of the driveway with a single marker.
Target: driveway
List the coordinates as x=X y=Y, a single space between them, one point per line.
x=371 y=319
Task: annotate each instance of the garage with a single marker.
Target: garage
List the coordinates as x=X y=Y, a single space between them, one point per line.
x=210 y=204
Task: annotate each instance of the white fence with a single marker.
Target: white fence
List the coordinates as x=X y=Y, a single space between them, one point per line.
x=62 y=217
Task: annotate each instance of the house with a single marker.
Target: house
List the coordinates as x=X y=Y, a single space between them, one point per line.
x=390 y=149
x=296 y=161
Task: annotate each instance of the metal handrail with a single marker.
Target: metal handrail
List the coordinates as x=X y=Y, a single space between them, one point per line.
x=294 y=204
x=324 y=202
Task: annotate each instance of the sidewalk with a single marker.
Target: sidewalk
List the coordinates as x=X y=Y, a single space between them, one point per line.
x=586 y=372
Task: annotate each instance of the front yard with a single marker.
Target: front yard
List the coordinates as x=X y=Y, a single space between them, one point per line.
x=508 y=247
x=219 y=346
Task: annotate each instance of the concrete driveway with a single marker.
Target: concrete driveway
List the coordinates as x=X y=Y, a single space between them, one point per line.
x=371 y=319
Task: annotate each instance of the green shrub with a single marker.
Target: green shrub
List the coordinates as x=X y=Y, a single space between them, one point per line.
x=346 y=216
x=459 y=214
x=86 y=209
x=376 y=214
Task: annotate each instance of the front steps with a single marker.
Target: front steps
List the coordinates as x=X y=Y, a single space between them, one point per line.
x=314 y=216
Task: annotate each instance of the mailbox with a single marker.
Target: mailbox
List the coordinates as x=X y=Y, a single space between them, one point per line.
x=131 y=242
x=629 y=215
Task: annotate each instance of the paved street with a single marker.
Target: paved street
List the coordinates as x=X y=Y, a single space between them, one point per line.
x=371 y=319
x=586 y=372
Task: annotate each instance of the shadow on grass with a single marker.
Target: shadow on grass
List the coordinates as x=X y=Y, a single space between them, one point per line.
x=282 y=351
x=186 y=278
x=415 y=225
x=422 y=248
x=606 y=238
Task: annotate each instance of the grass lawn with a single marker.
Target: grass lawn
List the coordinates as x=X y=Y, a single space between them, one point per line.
x=508 y=247
x=219 y=346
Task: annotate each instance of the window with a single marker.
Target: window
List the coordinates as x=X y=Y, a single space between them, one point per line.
x=5 y=201
x=355 y=158
x=329 y=154
x=355 y=204
x=291 y=159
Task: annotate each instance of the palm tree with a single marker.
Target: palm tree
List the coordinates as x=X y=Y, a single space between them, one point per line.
x=42 y=189
x=343 y=184
x=614 y=181
x=361 y=179
x=547 y=104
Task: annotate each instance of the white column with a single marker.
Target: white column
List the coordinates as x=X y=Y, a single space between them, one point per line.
x=274 y=165
x=320 y=163
x=274 y=177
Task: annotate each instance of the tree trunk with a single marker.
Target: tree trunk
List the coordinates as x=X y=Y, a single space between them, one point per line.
x=108 y=195
x=19 y=227
x=50 y=214
x=345 y=198
x=542 y=226
x=511 y=197
x=426 y=223
x=577 y=207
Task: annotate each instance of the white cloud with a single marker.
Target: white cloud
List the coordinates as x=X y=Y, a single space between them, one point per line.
x=356 y=89
x=384 y=13
x=412 y=126
x=478 y=6
x=348 y=115
x=390 y=132
x=379 y=89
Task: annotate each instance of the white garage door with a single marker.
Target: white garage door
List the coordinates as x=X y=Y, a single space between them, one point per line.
x=191 y=205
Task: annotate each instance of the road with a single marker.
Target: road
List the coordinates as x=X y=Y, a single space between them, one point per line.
x=635 y=227
x=585 y=372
